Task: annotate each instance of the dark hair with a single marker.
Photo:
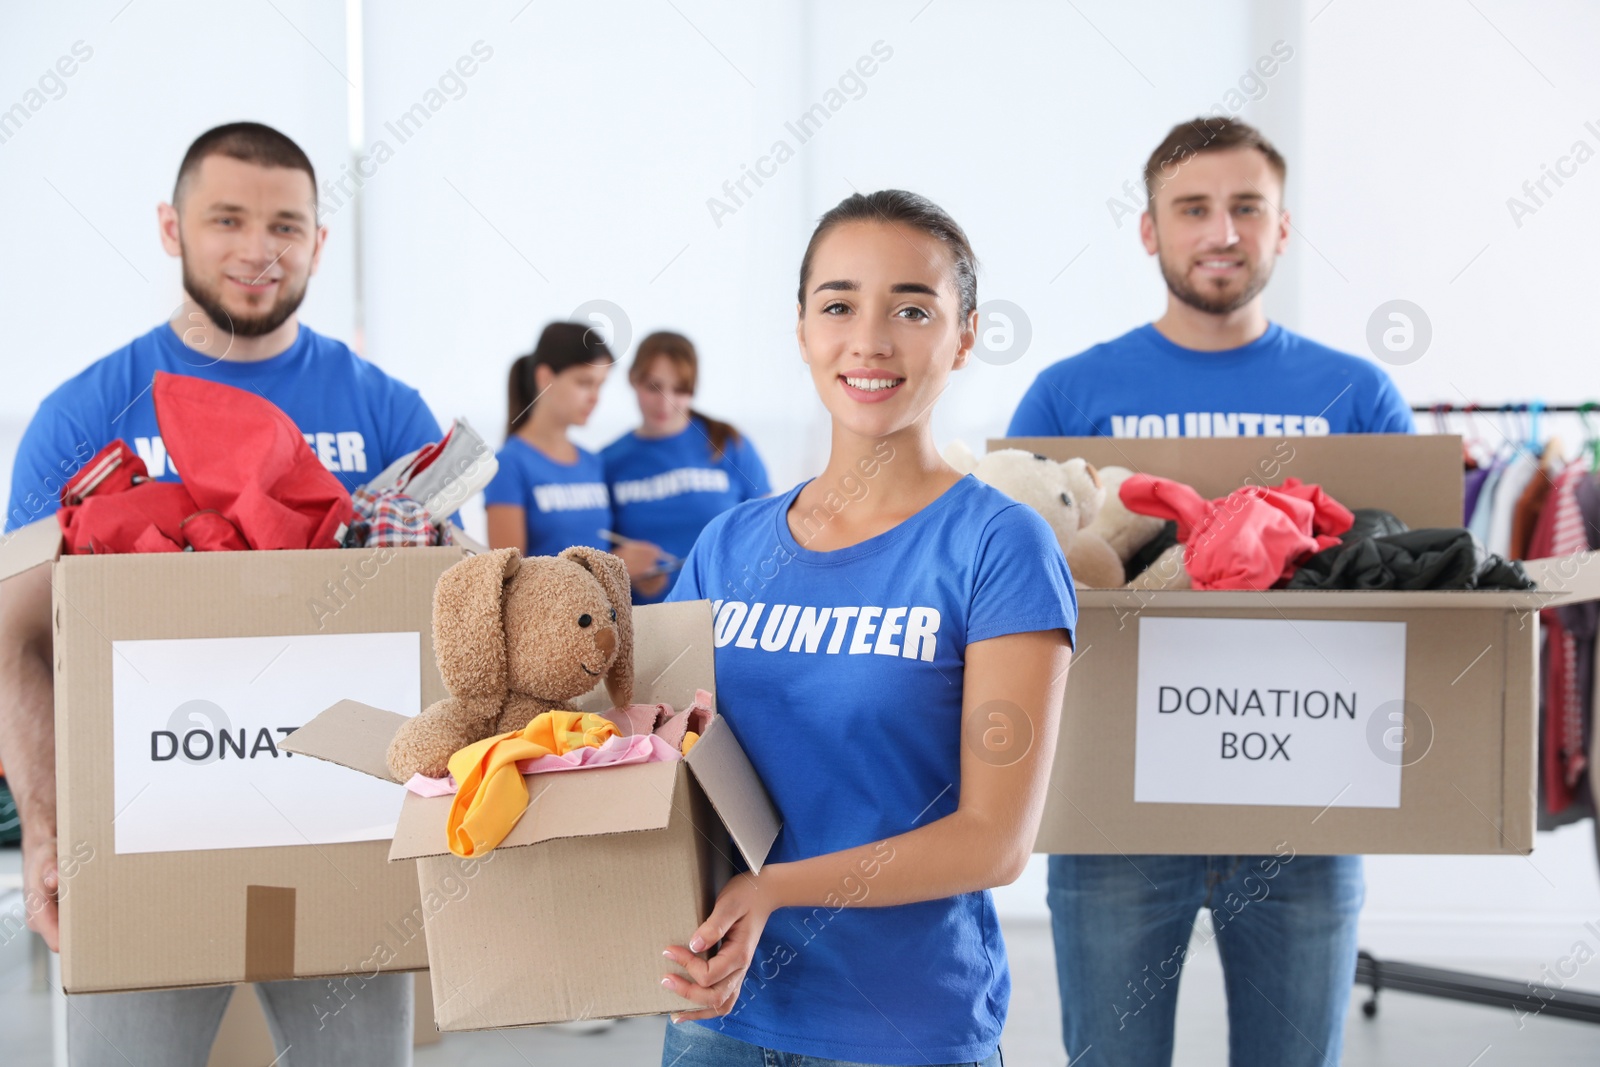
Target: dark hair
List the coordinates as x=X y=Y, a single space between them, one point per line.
x=680 y=351
x=900 y=208
x=561 y=346
x=1216 y=134
x=248 y=142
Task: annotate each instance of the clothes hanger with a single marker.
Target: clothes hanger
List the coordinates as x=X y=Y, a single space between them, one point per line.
x=1591 y=439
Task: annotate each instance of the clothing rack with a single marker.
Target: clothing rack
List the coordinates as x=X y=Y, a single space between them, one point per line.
x=1530 y=407
x=1464 y=986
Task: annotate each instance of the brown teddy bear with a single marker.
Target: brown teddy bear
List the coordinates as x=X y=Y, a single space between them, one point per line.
x=516 y=637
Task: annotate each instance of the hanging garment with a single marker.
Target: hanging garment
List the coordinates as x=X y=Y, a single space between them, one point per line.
x=238 y=454
x=1529 y=506
x=1472 y=485
x=492 y=795
x=1523 y=468
x=1252 y=538
x=1416 y=559
x=1483 y=508
x=1560 y=531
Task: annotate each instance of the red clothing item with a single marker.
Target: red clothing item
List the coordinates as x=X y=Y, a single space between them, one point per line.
x=240 y=455
x=1559 y=532
x=1252 y=538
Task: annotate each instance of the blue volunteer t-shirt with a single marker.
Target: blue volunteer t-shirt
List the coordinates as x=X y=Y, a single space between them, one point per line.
x=841 y=675
x=355 y=417
x=1143 y=385
x=665 y=489
x=565 y=504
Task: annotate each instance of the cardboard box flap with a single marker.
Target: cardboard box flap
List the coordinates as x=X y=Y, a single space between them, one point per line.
x=735 y=792
x=1417 y=477
x=351 y=734
x=28 y=546
x=585 y=803
x=1566 y=579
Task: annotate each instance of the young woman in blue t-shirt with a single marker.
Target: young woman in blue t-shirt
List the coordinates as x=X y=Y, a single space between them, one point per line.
x=680 y=469
x=549 y=493
x=892 y=643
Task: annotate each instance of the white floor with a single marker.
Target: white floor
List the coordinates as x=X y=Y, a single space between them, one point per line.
x=1407 y=1032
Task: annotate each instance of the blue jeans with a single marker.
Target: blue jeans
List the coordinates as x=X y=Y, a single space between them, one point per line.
x=1285 y=929
x=693 y=1045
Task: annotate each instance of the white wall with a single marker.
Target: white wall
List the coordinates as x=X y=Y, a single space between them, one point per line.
x=576 y=162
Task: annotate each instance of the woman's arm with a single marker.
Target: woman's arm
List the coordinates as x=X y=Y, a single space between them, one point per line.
x=508 y=527
x=1011 y=711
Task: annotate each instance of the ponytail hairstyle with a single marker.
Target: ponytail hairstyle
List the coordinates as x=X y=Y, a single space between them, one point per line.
x=900 y=208
x=679 y=350
x=562 y=345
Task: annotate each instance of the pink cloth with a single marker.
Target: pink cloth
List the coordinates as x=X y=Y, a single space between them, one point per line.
x=1252 y=538
x=662 y=721
x=616 y=751
x=650 y=733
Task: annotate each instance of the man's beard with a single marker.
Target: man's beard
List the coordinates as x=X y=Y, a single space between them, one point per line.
x=210 y=301
x=1178 y=285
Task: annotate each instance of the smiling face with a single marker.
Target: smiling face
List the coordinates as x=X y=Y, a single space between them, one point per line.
x=249 y=242
x=1217 y=226
x=881 y=327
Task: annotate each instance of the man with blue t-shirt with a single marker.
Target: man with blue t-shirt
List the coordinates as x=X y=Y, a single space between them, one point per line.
x=1211 y=366
x=243 y=220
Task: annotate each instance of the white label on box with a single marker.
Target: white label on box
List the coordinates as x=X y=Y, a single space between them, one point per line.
x=196 y=728
x=1269 y=711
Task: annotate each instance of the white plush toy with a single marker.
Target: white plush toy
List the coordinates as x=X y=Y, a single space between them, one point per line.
x=1069 y=495
x=1125 y=531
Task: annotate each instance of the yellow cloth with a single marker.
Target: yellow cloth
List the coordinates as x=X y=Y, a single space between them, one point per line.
x=689 y=738
x=491 y=794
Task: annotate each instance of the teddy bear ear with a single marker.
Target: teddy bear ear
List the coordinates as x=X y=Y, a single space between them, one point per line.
x=469 y=634
x=959 y=456
x=612 y=575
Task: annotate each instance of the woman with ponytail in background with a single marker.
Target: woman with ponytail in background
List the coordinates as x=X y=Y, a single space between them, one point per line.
x=549 y=493
x=679 y=469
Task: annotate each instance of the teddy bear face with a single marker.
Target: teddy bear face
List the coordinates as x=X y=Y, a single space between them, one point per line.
x=562 y=631
x=1068 y=495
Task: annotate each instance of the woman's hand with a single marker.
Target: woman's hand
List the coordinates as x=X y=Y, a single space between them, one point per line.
x=736 y=923
x=640 y=557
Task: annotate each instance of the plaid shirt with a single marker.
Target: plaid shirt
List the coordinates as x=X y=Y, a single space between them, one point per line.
x=389 y=518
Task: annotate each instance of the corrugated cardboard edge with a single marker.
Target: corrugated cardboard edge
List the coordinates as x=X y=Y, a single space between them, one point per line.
x=28 y=546
x=351 y=734
x=1519 y=772
x=735 y=791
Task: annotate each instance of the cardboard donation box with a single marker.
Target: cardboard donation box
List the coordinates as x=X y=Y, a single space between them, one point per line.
x=194 y=849
x=566 y=919
x=1318 y=721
